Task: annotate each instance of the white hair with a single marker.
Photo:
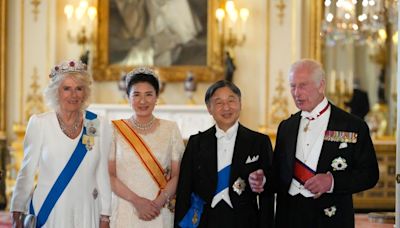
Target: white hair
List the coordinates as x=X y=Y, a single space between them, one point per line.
x=52 y=96
x=314 y=67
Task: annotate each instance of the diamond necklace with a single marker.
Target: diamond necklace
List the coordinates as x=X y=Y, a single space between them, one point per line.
x=71 y=130
x=145 y=126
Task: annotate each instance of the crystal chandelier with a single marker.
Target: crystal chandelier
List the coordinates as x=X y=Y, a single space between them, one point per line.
x=360 y=21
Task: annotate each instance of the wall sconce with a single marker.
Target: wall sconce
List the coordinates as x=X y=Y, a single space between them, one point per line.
x=82 y=17
x=231 y=31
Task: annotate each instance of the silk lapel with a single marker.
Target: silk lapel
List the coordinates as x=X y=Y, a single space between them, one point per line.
x=292 y=134
x=208 y=150
x=240 y=153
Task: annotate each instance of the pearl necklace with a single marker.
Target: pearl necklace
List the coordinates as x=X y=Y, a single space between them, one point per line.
x=71 y=130
x=145 y=126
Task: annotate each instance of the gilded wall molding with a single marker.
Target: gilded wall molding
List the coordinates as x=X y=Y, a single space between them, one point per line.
x=35 y=10
x=34 y=101
x=3 y=51
x=263 y=125
x=281 y=8
x=22 y=63
x=279 y=110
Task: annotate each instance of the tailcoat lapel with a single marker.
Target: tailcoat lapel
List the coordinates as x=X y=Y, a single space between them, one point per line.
x=208 y=150
x=335 y=123
x=240 y=153
x=292 y=139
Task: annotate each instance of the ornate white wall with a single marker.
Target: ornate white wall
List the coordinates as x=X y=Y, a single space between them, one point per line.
x=262 y=62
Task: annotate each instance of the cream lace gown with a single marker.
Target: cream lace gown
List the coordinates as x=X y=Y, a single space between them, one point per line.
x=166 y=145
x=47 y=149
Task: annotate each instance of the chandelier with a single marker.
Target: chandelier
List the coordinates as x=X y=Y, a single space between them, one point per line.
x=360 y=21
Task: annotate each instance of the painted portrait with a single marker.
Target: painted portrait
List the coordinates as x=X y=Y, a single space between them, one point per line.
x=158 y=32
x=174 y=36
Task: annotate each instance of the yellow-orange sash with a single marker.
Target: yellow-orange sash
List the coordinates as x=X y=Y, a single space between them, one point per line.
x=143 y=151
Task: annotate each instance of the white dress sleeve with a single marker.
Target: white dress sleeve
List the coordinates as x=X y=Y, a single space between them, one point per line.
x=25 y=180
x=112 y=155
x=177 y=143
x=103 y=177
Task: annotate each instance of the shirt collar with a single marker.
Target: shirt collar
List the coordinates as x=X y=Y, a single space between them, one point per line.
x=229 y=133
x=314 y=113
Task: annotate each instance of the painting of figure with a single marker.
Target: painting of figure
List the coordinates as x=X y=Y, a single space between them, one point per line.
x=157 y=32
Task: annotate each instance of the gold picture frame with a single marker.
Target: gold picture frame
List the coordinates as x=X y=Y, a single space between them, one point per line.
x=103 y=70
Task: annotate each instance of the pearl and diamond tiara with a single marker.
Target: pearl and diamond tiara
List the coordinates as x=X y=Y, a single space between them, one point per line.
x=140 y=70
x=67 y=67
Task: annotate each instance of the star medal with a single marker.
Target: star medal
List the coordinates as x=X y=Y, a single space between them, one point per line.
x=239 y=186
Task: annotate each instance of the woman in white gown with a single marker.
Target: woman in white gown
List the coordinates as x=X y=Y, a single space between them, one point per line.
x=143 y=189
x=68 y=145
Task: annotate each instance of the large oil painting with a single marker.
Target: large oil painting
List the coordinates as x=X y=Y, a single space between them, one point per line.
x=174 y=36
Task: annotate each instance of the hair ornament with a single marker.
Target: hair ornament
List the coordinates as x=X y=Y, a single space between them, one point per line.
x=140 y=70
x=67 y=67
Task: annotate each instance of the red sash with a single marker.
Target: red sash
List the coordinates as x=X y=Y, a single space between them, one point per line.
x=302 y=172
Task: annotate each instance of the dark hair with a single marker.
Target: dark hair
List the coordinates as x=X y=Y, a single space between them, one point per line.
x=141 y=77
x=220 y=84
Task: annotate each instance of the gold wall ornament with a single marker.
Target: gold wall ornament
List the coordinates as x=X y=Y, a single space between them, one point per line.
x=377 y=120
x=281 y=8
x=105 y=70
x=35 y=9
x=34 y=102
x=279 y=110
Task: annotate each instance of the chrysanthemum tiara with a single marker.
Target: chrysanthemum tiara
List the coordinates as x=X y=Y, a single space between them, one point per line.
x=68 y=66
x=139 y=70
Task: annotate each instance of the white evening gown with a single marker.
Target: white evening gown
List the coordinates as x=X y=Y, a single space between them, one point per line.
x=48 y=149
x=166 y=145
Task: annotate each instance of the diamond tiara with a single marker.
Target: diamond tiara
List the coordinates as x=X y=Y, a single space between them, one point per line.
x=140 y=70
x=68 y=66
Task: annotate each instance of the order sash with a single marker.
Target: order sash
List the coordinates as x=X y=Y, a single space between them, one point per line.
x=223 y=179
x=193 y=215
x=302 y=172
x=63 y=179
x=143 y=151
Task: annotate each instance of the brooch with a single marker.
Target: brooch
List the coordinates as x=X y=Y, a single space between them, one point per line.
x=92 y=127
x=330 y=211
x=338 y=164
x=88 y=141
x=239 y=186
x=341 y=136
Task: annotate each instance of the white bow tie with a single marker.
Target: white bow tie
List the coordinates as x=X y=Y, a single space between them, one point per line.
x=221 y=134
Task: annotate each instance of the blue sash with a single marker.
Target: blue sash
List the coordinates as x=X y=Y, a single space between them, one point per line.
x=63 y=179
x=223 y=179
x=193 y=215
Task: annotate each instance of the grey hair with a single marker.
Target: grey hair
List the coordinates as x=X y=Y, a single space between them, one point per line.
x=52 y=96
x=312 y=66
